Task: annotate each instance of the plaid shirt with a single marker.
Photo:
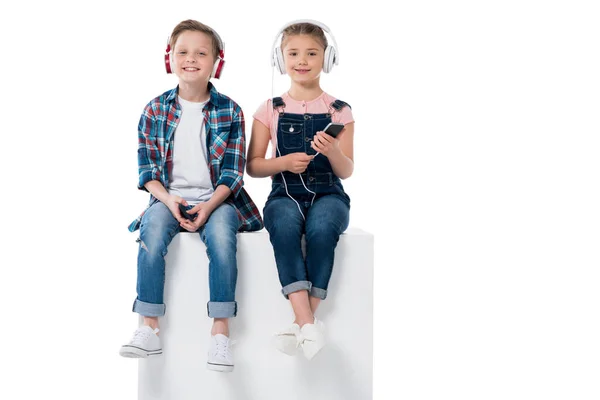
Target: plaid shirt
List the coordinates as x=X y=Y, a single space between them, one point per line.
x=224 y=124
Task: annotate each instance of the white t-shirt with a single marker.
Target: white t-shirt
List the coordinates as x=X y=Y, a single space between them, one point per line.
x=190 y=178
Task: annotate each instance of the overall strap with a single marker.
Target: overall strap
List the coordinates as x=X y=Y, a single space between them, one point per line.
x=338 y=105
x=278 y=103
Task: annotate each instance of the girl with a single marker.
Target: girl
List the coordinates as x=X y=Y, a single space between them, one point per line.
x=306 y=166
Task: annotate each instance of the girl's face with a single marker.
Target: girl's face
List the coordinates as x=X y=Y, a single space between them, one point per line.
x=303 y=56
x=193 y=57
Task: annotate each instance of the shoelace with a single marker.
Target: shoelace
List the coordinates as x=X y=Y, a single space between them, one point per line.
x=300 y=339
x=142 y=335
x=223 y=348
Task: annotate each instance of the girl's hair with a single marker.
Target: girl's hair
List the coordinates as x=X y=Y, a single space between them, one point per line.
x=304 y=28
x=193 y=25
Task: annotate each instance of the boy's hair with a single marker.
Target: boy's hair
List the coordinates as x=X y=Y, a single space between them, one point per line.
x=193 y=25
x=304 y=28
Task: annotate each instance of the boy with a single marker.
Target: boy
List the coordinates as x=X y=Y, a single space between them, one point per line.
x=192 y=153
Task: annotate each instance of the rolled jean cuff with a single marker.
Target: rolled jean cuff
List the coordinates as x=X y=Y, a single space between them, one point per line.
x=295 y=287
x=148 y=309
x=318 y=292
x=222 y=309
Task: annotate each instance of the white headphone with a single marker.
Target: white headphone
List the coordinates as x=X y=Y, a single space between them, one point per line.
x=219 y=62
x=330 y=59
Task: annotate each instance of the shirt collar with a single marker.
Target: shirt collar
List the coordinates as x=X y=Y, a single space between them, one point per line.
x=213 y=99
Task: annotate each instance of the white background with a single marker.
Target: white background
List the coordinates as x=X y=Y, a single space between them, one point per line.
x=477 y=167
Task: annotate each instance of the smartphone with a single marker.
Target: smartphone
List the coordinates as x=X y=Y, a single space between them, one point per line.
x=185 y=214
x=333 y=129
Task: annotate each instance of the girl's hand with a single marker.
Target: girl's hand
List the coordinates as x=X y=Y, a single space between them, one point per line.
x=297 y=162
x=325 y=144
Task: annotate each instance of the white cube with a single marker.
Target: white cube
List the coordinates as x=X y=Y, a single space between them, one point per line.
x=342 y=370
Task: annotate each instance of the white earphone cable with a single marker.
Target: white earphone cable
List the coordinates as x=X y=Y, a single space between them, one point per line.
x=286 y=188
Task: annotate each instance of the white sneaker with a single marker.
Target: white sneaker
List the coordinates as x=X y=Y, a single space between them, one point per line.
x=313 y=338
x=288 y=340
x=144 y=343
x=220 y=357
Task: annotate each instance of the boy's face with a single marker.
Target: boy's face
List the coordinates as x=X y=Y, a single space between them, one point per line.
x=303 y=56
x=193 y=57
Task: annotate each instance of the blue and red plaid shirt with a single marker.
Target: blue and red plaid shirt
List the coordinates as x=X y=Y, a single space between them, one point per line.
x=225 y=127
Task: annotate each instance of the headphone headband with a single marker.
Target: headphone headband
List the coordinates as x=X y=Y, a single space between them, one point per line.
x=305 y=21
x=219 y=42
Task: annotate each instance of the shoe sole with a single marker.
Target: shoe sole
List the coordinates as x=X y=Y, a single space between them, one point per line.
x=287 y=352
x=286 y=343
x=287 y=348
x=219 y=367
x=136 y=352
x=310 y=354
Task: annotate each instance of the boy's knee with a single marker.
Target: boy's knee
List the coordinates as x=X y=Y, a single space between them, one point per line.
x=154 y=241
x=153 y=248
x=223 y=221
x=220 y=242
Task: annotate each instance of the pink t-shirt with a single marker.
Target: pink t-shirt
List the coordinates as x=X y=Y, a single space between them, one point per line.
x=321 y=105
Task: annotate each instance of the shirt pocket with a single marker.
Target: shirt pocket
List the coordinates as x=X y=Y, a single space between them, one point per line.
x=292 y=134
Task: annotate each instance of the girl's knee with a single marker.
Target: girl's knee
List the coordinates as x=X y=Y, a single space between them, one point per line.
x=283 y=219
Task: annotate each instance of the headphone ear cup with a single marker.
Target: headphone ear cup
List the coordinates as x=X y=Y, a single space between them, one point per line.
x=168 y=59
x=278 y=60
x=329 y=59
x=218 y=68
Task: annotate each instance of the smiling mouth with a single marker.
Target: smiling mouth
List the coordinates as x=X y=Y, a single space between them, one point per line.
x=191 y=69
x=302 y=70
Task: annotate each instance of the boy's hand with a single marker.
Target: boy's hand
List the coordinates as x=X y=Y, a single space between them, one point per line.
x=325 y=144
x=297 y=162
x=173 y=206
x=203 y=211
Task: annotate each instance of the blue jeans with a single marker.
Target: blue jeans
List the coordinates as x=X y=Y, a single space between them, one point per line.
x=157 y=229
x=326 y=220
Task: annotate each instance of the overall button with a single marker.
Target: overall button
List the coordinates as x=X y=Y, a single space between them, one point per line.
x=306 y=116
x=307 y=139
x=312 y=178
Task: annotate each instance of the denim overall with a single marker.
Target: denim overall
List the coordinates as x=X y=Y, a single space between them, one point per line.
x=321 y=223
x=294 y=134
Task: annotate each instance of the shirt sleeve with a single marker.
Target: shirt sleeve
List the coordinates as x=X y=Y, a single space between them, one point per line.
x=148 y=152
x=234 y=160
x=344 y=116
x=264 y=114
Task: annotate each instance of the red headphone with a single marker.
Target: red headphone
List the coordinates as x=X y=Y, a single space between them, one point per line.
x=219 y=63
